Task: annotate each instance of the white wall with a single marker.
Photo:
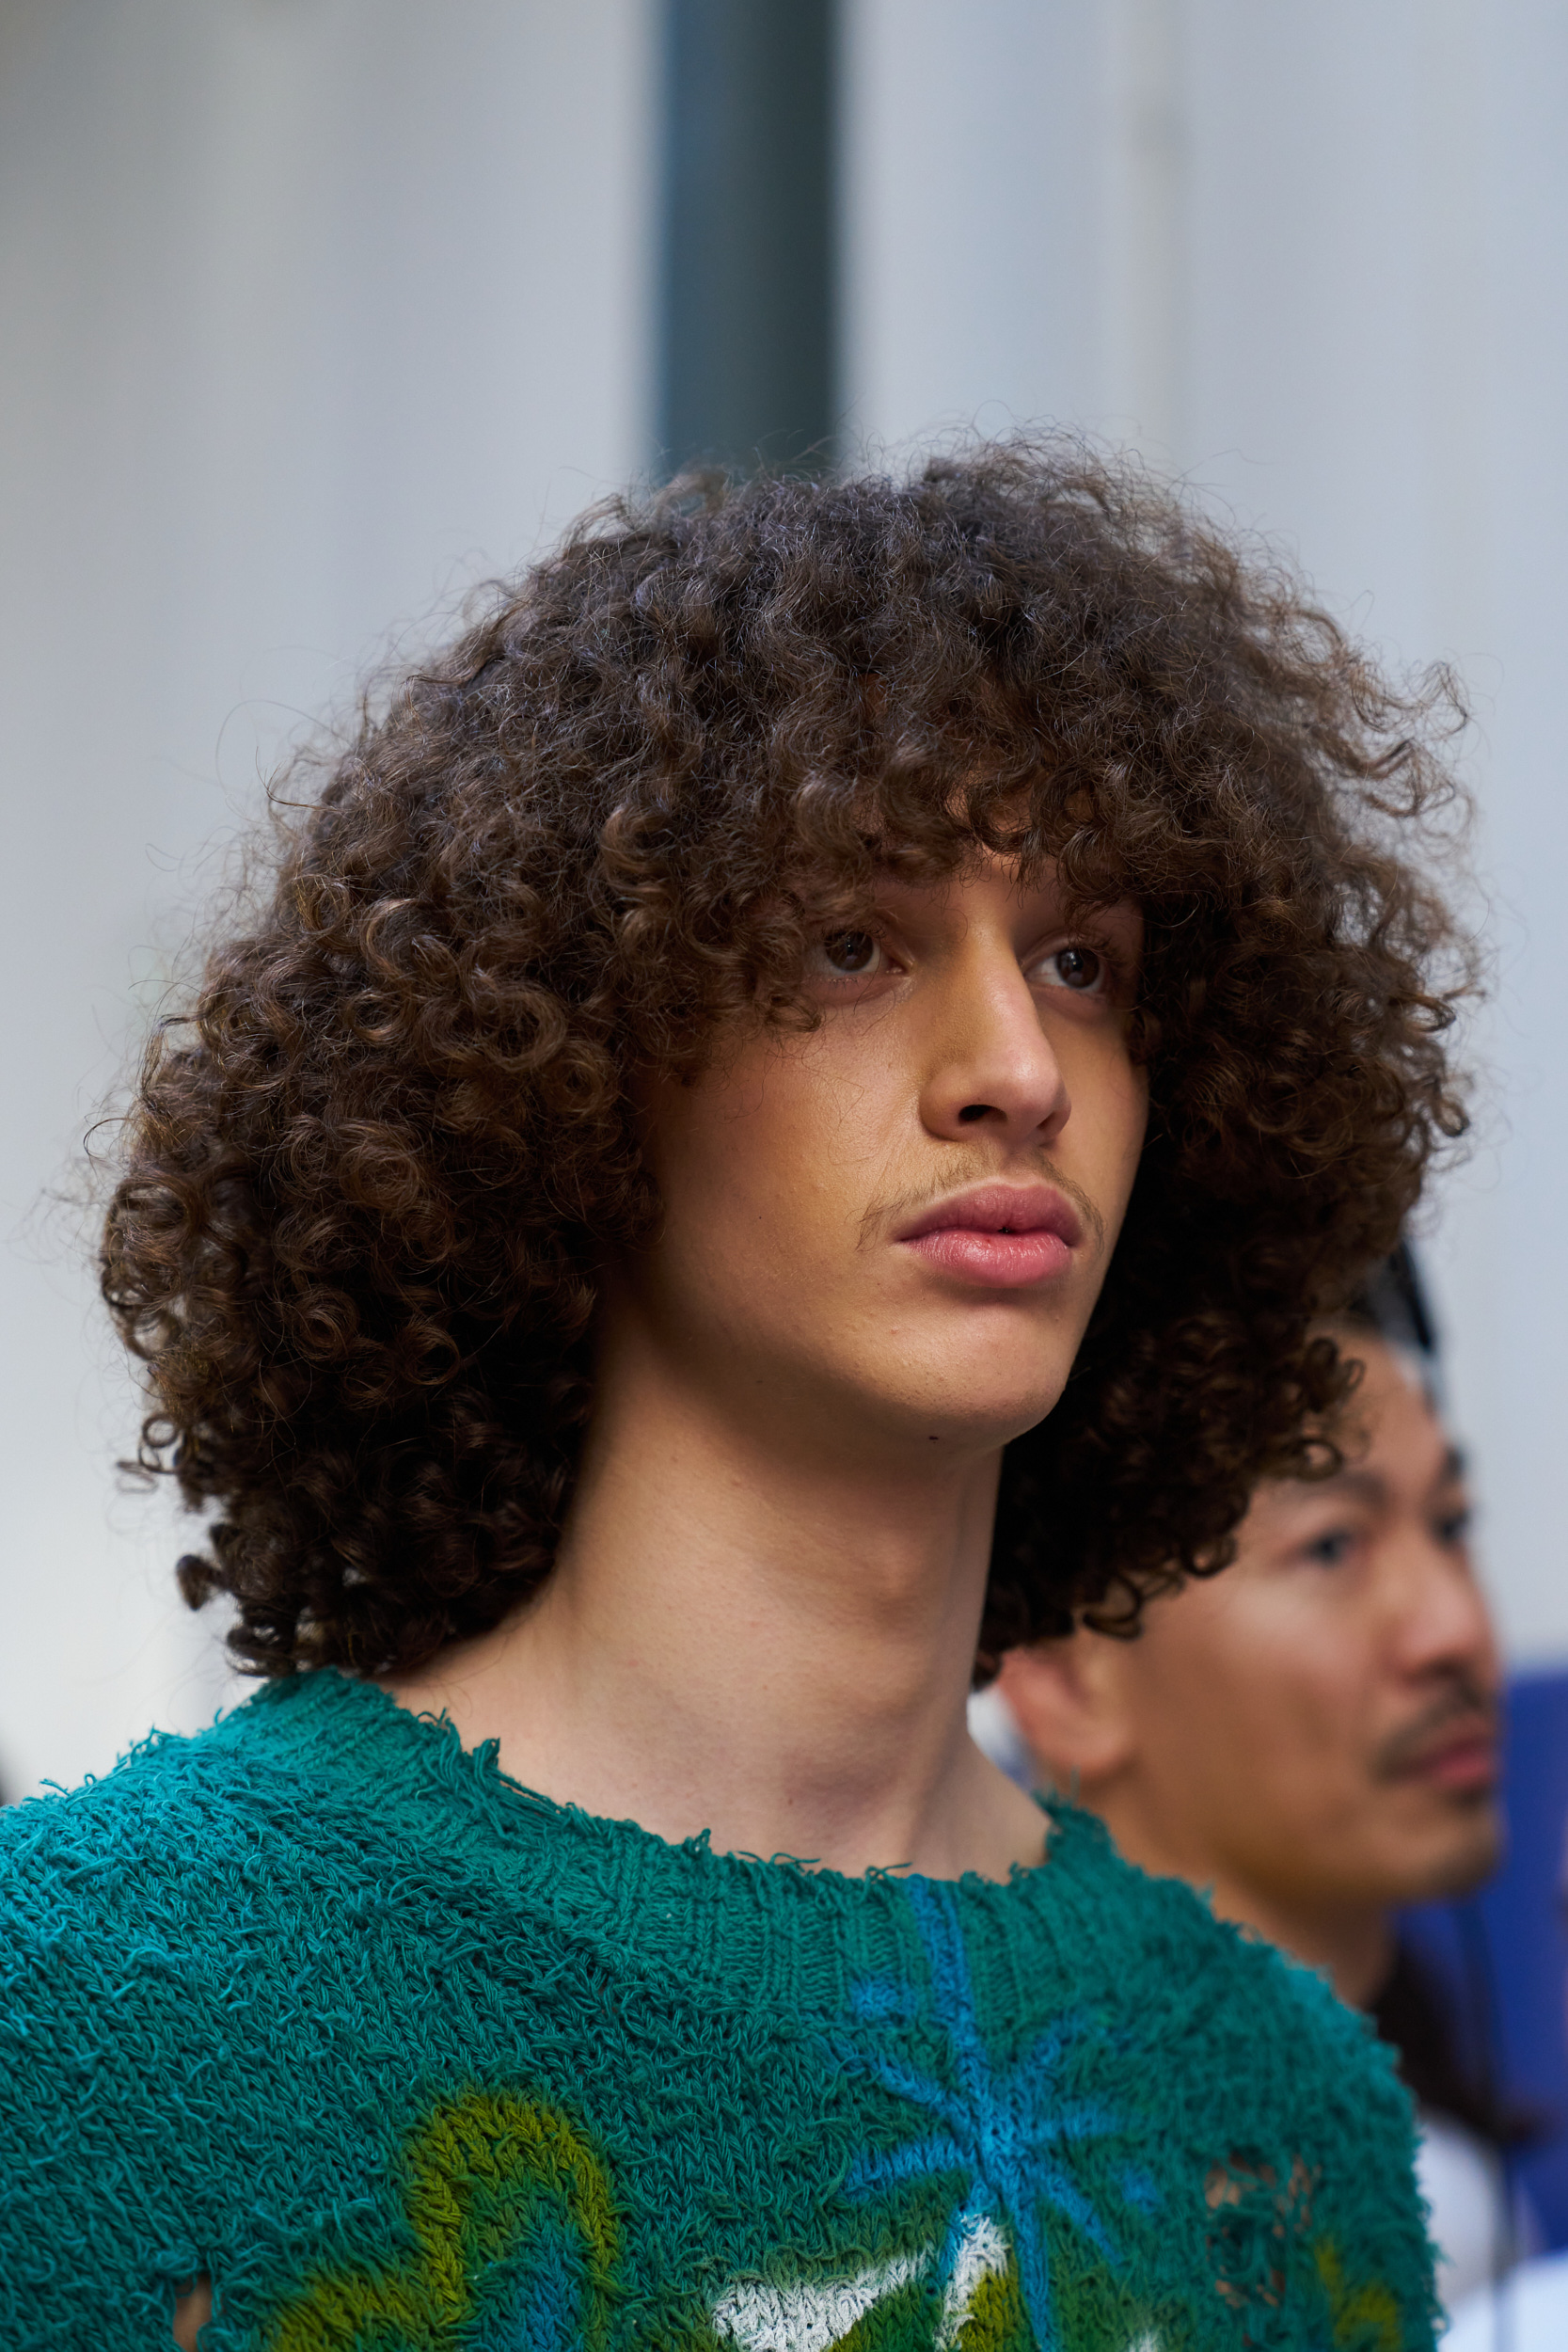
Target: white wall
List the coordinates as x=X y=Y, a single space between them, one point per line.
x=316 y=312
x=1316 y=258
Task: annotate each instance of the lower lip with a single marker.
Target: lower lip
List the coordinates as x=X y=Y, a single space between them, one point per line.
x=1463 y=1768
x=1001 y=1261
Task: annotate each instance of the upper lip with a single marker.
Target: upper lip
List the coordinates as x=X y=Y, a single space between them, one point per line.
x=1472 y=1730
x=1000 y=1209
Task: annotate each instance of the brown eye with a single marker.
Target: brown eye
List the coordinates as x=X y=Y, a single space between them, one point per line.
x=851 y=954
x=1078 y=969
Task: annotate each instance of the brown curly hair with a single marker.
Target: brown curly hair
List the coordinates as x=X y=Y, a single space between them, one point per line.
x=371 y=1175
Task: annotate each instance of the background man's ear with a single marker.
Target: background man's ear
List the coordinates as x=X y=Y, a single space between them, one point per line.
x=1069 y=1701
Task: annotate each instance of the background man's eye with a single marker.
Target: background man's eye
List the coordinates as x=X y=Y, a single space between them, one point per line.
x=1078 y=967
x=849 y=952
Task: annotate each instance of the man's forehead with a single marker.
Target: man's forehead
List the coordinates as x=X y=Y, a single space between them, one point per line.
x=895 y=877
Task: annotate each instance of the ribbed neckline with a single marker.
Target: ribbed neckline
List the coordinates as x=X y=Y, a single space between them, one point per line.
x=754 y=1933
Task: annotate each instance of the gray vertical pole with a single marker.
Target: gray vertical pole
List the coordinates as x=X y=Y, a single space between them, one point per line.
x=747 y=297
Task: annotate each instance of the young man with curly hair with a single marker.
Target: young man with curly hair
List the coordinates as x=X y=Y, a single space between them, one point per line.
x=781 y=1129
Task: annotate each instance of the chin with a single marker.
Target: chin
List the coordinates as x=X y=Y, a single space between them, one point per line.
x=982 y=1423
x=1463 y=1862
x=966 y=1394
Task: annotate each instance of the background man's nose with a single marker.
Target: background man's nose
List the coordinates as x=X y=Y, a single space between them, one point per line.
x=1445 y=1624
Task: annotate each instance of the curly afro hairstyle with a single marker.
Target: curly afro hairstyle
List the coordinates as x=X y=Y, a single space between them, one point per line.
x=372 y=1173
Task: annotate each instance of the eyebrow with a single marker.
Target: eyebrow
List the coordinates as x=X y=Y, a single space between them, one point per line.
x=1366 y=1486
x=1372 y=1488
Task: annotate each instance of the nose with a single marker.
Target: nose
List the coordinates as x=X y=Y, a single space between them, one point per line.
x=1445 y=1625
x=992 y=1068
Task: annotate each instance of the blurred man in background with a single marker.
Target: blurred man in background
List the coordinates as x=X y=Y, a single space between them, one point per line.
x=1313 y=1737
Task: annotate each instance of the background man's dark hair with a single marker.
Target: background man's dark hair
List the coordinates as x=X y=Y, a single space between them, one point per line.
x=371 y=1177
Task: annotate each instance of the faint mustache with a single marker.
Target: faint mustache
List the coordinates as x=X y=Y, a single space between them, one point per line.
x=1464 y=1703
x=912 y=1204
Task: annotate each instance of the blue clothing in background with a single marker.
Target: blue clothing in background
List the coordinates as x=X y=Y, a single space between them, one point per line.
x=1503 y=1955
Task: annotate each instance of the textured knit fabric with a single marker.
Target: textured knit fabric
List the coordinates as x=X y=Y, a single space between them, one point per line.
x=404 y=2056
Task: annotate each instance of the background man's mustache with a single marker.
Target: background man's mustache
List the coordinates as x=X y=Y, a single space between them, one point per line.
x=1464 y=1702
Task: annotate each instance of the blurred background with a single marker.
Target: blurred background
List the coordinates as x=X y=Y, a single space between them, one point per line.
x=317 y=313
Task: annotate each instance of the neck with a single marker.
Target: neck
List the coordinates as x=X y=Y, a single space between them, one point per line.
x=1351 y=1942
x=771 y=1641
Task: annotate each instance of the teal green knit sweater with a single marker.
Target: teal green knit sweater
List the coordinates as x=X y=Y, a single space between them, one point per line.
x=404 y=2056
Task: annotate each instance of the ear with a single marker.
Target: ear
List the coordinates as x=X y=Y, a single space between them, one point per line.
x=1069 y=1701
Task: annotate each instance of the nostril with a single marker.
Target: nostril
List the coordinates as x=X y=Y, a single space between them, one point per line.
x=971 y=1112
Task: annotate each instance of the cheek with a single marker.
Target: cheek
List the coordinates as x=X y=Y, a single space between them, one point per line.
x=741 y=1155
x=1134 y=1107
x=705 y=1140
x=1249 y=1687
x=1110 y=1109
x=1306 y=1706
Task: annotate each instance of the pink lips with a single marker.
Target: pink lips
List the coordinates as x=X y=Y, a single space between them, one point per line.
x=1002 y=1236
x=1464 y=1763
